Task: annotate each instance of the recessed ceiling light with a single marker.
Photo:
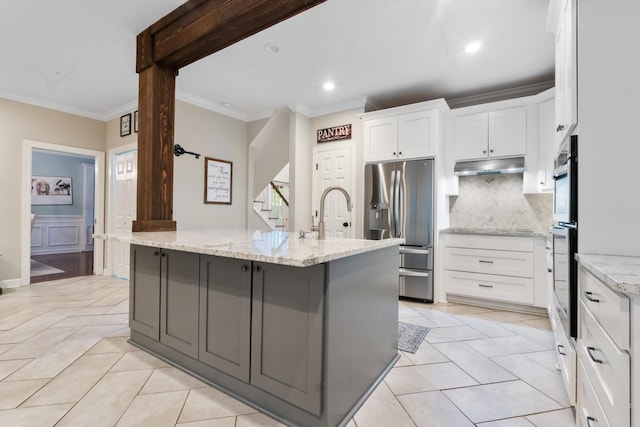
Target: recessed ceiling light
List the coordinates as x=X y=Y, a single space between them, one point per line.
x=226 y=104
x=329 y=86
x=473 y=47
x=271 y=48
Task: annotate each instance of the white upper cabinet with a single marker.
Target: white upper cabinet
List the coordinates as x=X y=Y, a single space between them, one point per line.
x=546 y=144
x=380 y=139
x=416 y=135
x=396 y=135
x=501 y=133
x=564 y=12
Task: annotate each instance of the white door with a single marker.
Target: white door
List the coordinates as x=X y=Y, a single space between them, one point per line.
x=124 y=207
x=333 y=166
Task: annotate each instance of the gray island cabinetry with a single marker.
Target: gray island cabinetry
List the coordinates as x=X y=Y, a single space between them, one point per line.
x=303 y=330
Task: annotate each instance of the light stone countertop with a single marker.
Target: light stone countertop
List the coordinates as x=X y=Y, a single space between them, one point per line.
x=277 y=247
x=620 y=273
x=495 y=232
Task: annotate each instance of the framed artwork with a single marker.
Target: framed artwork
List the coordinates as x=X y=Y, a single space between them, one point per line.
x=51 y=190
x=217 y=181
x=135 y=121
x=125 y=125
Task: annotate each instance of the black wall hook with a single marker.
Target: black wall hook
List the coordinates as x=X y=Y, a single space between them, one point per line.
x=179 y=151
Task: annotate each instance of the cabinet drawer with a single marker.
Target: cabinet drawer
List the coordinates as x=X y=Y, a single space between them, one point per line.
x=589 y=413
x=496 y=243
x=607 y=367
x=610 y=310
x=566 y=356
x=500 y=288
x=506 y=263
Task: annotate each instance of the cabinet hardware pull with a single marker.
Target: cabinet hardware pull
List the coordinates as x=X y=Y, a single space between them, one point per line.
x=256 y=268
x=156 y=253
x=245 y=268
x=588 y=294
x=485 y=286
x=400 y=153
x=559 y=128
x=549 y=270
x=484 y=151
x=491 y=151
x=560 y=346
x=485 y=261
x=589 y=419
x=589 y=350
x=394 y=153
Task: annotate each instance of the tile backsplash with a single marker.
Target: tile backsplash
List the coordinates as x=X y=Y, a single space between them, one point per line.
x=497 y=202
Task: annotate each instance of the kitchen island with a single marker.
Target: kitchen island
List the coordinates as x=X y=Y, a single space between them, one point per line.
x=301 y=329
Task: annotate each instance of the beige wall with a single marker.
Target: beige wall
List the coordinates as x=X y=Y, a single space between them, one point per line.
x=19 y=122
x=211 y=135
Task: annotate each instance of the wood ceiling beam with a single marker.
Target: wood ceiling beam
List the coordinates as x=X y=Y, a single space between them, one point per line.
x=194 y=30
x=202 y=27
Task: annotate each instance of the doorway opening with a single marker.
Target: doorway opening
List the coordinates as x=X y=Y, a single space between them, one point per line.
x=63 y=199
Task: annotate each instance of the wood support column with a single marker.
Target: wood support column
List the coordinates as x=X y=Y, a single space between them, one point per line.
x=156 y=111
x=194 y=30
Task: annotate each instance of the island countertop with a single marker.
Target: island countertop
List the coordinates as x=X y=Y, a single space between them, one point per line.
x=277 y=247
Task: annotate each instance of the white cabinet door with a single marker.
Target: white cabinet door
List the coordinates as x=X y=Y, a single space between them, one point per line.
x=471 y=136
x=546 y=144
x=566 y=76
x=380 y=139
x=508 y=132
x=416 y=135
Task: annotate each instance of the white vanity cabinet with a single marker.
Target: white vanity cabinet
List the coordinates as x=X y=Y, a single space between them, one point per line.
x=403 y=133
x=501 y=133
x=604 y=362
x=495 y=268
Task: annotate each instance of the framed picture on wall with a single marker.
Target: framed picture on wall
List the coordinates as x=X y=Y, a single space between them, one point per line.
x=51 y=190
x=217 y=181
x=125 y=125
x=135 y=121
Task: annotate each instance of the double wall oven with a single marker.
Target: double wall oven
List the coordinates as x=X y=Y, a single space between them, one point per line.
x=565 y=236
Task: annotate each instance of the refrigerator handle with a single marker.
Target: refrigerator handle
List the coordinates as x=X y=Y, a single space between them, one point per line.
x=401 y=205
x=392 y=205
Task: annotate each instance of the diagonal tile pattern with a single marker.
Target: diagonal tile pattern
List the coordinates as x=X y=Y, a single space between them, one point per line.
x=65 y=361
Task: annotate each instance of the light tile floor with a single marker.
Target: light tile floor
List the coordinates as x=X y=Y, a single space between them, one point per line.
x=65 y=361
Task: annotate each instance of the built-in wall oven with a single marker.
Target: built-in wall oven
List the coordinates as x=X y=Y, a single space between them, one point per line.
x=565 y=236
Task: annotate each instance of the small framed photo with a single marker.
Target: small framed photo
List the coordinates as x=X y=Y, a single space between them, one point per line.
x=135 y=121
x=125 y=125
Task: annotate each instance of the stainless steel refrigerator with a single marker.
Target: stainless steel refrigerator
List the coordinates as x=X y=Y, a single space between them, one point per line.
x=399 y=202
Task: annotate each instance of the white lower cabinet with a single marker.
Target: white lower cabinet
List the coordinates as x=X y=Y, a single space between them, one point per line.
x=604 y=377
x=566 y=351
x=497 y=268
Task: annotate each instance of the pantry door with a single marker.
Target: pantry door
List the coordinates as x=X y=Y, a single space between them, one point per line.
x=124 y=207
x=333 y=165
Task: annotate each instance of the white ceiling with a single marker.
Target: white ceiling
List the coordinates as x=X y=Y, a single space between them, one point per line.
x=79 y=55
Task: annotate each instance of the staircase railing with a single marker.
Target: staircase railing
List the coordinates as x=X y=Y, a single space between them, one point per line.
x=279 y=205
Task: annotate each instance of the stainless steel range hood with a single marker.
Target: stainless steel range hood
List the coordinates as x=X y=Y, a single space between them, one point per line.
x=490 y=166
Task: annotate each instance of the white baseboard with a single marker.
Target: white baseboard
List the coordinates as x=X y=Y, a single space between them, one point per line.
x=11 y=283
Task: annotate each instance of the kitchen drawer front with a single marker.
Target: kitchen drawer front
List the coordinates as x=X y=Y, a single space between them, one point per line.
x=610 y=310
x=567 y=356
x=504 y=263
x=607 y=367
x=500 y=288
x=498 y=243
x=589 y=413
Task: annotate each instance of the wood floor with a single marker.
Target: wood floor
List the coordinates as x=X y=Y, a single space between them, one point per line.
x=74 y=264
